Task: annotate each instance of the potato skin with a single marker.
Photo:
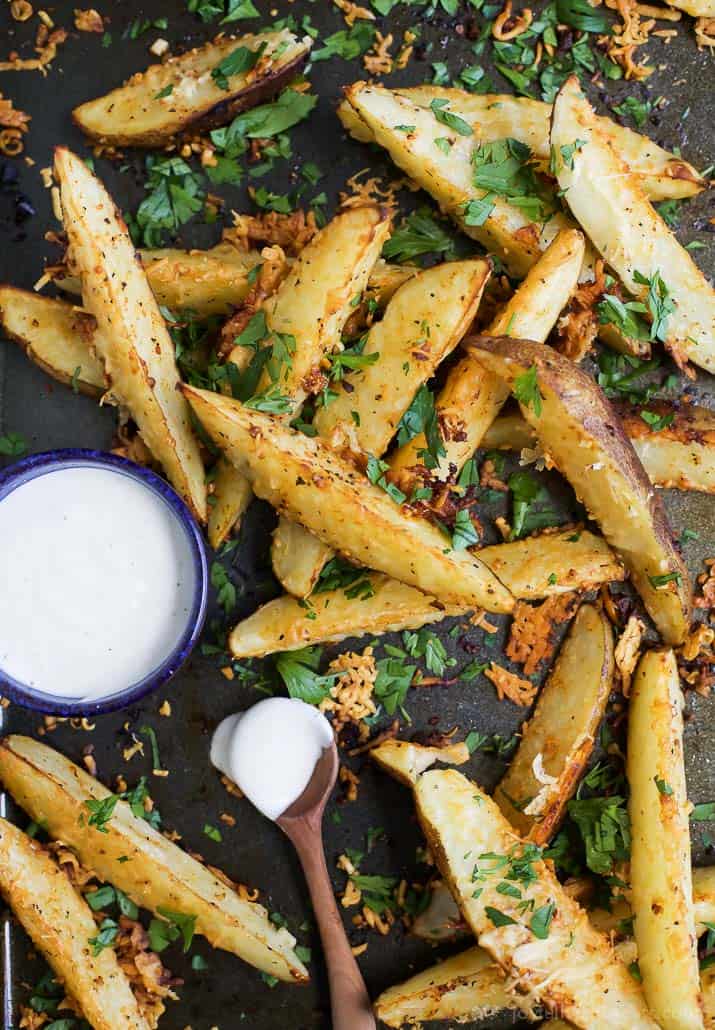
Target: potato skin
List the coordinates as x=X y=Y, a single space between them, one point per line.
x=584 y=437
x=99 y=120
x=60 y=923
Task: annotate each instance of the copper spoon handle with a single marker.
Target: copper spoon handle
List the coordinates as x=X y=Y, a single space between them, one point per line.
x=350 y=1002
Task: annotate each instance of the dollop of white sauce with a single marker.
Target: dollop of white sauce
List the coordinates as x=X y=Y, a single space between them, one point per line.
x=96 y=582
x=271 y=750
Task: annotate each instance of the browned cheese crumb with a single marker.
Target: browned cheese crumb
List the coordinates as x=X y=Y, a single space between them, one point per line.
x=290 y=232
x=509 y=685
x=628 y=651
x=350 y=698
x=352 y=12
x=88 y=20
x=531 y=636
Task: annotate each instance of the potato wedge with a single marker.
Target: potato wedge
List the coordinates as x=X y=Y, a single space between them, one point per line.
x=552 y=950
x=53 y=791
x=230 y=498
x=471 y=397
x=465 y=987
x=181 y=93
x=633 y=239
x=679 y=455
x=306 y=480
x=56 y=336
x=311 y=306
x=137 y=350
x=704 y=896
x=661 y=880
x=558 y=739
x=406 y=761
x=282 y=624
x=60 y=923
x=423 y=323
x=533 y=568
x=582 y=435
x=507 y=231
x=696 y=8
x=663 y=175
x=707 y=987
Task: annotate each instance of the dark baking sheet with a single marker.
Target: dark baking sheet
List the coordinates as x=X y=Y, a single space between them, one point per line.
x=49 y=416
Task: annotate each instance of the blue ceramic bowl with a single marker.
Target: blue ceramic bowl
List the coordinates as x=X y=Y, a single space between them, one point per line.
x=37 y=465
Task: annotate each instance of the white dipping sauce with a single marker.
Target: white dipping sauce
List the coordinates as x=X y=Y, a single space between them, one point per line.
x=96 y=582
x=271 y=750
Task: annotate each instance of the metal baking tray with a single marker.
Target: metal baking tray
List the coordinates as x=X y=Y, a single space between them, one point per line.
x=230 y=993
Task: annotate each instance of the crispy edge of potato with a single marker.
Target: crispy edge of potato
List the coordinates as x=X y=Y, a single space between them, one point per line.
x=633 y=239
x=60 y=924
x=661 y=879
x=123 y=117
x=138 y=352
x=303 y=478
x=445 y=298
x=405 y=761
x=48 y=332
x=281 y=624
x=53 y=791
x=467 y=986
x=583 y=436
x=471 y=397
x=573 y=969
x=680 y=455
x=562 y=730
x=663 y=175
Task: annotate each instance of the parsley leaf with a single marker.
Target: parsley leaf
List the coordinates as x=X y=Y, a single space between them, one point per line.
x=298 y=670
x=101 y=811
x=540 y=921
x=446 y=117
x=464 y=533
x=377 y=891
x=605 y=829
x=393 y=680
x=634 y=108
x=579 y=14
x=238 y=62
x=419 y=234
x=348 y=43
x=12 y=445
x=105 y=938
x=375 y=472
x=502 y=167
x=497 y=917
x=175 y=195
x=421 y=417
x=660 y=304
x=526 y=390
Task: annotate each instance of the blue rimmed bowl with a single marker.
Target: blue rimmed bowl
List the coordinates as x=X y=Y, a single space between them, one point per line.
x=37 y=465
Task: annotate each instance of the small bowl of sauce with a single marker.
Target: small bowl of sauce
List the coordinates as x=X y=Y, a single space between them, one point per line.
x=103 y=582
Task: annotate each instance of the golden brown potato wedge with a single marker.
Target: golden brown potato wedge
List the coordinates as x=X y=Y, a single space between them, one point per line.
x=704 y=896
x=54 y=792
x=230 y=497
x=60 y=924
x=310 y=308
x=495 y=116
x=506 y=231
x=680 y=454
x=633 y=239
x=661 y=879
x=181 y=93
x=551 y=948
x=54 y=335
x=469 y=986
x=533 y=568
x=581 y=432
x=136 y=348
x=423 y=323
x=406 y=761
x=557 y=741
x=304 y=479
x=472 y=397
x=288 y=623
x=707 y=987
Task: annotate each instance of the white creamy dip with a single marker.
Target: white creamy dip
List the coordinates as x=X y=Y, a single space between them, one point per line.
x=271 y=750
x=96 y=582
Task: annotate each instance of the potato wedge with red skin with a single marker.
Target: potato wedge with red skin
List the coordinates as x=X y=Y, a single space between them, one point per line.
x=60 y=924
x=305 y=479
x=137 y=114
x=134 y=343
x=583 y=436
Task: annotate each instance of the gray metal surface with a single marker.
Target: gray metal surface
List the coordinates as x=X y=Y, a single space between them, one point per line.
x=49 y=416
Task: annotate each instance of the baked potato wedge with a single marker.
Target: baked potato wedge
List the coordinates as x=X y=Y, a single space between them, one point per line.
x=183 y=93
x=661 y=880
x=406 y=761
x=60 y=924
x=468 y=986
x=54 y=792
x=505 y=230
x=494 y=116
x=56 y=336
x=680 y=451
x=304 y=479
x=608 y=201
x=384 y=605
x=663 y=175
x=581 y=432
x=307 y=314
x=423 y=323
x=551 y=948
x=471 y=397
x=557 y=741
x=136 y=348
x=704 y=896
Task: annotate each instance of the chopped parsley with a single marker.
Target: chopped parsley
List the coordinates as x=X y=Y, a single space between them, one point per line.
x=347 y=43
x=664 y=579
x=172 y=927
x=299 y=671
x=376 y=472
x=212 y=832
x=503 y=168
x=464 y=533
x=425 y=644
x=659 y=303
x=663 y=786
x=419 y=234
x=238 y=62
x=657 y=422
x=394 y=679
x=498 y=918
x=174 y=195
x=106 y=936
x=526 y=390
x=226 y=593
x=634 y=108
x=605 y=830
x=378 y=892
x=421 y=417
x=12 y=445
x=101 y=811
x=526 y=492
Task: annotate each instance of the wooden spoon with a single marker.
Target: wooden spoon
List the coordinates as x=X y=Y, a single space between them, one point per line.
x=302 y=823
